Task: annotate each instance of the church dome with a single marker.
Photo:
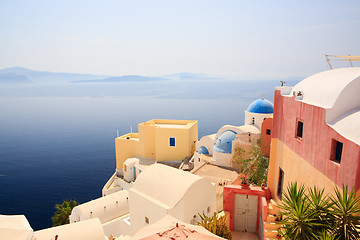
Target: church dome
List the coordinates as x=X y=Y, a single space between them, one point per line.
x=223 y=143
x=261 y=105
x=203 y=150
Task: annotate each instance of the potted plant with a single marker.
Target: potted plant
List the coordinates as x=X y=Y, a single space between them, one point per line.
x=245 y=173
x=245 y=183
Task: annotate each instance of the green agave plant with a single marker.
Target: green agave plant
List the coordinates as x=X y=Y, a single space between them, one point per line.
x=327 y=235
x=320 y=205
x=313 y=215
x=345 y=219
x=299 y=221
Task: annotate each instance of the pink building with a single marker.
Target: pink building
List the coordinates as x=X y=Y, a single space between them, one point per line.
x=316 y=132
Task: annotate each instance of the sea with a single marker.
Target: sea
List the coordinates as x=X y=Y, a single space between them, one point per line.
x=57 y=140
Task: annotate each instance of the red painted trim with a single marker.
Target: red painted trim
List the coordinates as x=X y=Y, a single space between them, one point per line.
x=315 y=145
x=229 y=201
x=266 y=139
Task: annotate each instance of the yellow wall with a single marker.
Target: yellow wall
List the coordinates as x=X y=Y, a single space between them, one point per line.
x=185 y=139
x=166 y=153
x=147 y=140
x=126 y=148
x=153 y=141
x=193 y=137
x=295 y=168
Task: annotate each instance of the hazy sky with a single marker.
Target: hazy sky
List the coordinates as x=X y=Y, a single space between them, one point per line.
x=231 y=38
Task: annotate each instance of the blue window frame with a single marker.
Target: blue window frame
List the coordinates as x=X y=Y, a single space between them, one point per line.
x=172 y=142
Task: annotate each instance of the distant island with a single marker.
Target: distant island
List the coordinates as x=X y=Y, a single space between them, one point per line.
x=20 y=75
x=125 y=78
x=13 y=78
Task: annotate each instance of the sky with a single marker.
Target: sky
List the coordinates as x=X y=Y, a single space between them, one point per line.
x=233 y=38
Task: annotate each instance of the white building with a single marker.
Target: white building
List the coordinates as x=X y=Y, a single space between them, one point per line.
x=218 y=148
x=163 y=190
x=105 y=208
x=15 y=227
x=89 y=230
x=158 y=191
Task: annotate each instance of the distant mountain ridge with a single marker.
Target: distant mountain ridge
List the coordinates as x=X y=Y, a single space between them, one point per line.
x=13 y=75
x=125 y=78
x=19 y=75
x=13 y=78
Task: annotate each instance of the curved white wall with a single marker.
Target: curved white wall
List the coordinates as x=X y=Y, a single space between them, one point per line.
x=206 y=141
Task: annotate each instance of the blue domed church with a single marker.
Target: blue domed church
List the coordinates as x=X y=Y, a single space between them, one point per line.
x=258 y=111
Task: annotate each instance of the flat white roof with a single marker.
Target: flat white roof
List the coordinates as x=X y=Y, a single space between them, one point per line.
x=142 y=161
x=90 y=230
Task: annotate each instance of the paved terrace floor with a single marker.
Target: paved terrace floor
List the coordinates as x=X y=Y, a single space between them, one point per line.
x=244 y=236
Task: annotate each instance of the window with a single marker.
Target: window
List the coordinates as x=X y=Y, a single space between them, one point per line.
x=125 y=167
x=253 y=121
x=299 y=129
x=268 y=131
x=147 y=220
x=280 y=183
x=172 y=142
x=336 y=151
x=208 y=209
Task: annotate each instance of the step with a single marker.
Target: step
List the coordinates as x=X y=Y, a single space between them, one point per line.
x=271 y=217
x=271 y=225
x=273 y=238
x=273 y=202
x=270 y=233
x=273 y=209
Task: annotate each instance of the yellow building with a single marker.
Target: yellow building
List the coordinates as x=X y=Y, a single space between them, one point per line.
x=158 y=139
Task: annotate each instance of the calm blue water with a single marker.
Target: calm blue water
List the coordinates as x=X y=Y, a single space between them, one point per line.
x=57 y=142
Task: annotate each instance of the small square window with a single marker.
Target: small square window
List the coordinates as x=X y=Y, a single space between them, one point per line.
x=336 y=151
x=268 y=131
x=172 y=142
x=299 y=129
x=147 y=220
